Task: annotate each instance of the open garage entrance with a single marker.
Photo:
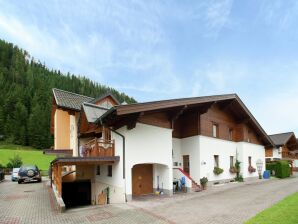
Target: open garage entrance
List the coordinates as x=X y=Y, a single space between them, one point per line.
x=76 y=193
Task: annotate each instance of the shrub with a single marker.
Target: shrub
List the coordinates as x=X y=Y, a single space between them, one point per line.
x=217 y=170
x=271 y=167
x=282 y=169
x=204 y=181
x=239 y=178
x=14 y=162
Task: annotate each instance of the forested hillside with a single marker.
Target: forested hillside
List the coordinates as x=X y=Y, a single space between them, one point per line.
x=26 y=96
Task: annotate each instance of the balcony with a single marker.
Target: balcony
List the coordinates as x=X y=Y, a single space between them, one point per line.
x=100 y=148
x=290 y=155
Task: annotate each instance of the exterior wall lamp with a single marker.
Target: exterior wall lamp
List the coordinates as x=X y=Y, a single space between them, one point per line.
x=259 y=167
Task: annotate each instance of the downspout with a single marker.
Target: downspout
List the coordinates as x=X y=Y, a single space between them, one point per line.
x=78 y=133
x=123 y=155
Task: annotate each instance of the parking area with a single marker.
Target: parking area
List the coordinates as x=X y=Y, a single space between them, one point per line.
x=33 y=203
x=231 y=203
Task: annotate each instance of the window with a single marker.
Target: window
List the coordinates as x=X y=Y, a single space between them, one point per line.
x=248 y=136
x=98 y=170
x=231 y=161
x=216 y=162
x=110 y=170
x=215 y=130
x=249 y=161
x=231 y=132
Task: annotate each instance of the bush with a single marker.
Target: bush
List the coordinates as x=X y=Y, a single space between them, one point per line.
x=239 y=178
x=217 y=170
x=15 y=162
x=271 y=167
x=282 y=169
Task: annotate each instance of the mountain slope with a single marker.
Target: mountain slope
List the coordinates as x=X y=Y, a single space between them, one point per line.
x=26 y=96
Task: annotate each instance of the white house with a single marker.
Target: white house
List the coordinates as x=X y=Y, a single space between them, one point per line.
x=125 y=151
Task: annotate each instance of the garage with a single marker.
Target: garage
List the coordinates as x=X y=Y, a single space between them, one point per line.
x=76 y=193
x=142 y=179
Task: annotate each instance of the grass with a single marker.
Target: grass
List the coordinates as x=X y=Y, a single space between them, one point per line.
x=28 y=154
x=284 y=212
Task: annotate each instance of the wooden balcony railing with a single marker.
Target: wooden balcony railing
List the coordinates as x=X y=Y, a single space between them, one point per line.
x=100 y=148
x=289 y=155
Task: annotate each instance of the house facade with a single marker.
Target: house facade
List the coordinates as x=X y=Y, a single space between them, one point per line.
x=285 y=147
x=125 y=151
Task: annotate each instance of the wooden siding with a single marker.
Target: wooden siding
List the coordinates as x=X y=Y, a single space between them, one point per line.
x=108 y=100
x=225 y=122
x=269 y=152
x=186 y=125
x=160 y=119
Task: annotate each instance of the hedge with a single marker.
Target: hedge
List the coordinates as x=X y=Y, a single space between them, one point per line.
x=282 y=169
x=271 y=167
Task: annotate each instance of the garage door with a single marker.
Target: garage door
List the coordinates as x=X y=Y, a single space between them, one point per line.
x=142 y=179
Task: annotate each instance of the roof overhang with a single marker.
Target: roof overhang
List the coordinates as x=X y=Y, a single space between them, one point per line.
x=85 y=160
x=139 y=108
x=66 y=152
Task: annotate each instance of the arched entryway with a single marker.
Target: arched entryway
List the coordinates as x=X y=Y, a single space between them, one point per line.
x=148 y=178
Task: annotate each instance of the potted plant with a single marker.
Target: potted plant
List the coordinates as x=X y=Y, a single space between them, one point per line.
x=204 y=182
x=217 y=170
x=233 y=169
x=251 y=169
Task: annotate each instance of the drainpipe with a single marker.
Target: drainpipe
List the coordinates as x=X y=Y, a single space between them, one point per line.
x=123 y=155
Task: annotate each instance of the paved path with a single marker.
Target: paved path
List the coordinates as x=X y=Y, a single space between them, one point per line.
x=231 y=203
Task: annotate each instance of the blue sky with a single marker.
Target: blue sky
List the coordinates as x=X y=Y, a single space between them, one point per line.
x=155 y=50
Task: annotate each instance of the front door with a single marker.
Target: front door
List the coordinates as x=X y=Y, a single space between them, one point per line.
x=142 y=179
x=186 y=163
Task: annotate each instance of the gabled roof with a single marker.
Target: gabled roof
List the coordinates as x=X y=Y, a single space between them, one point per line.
x=104 y=96
x=282 y=138
x=69 y=100
x=93 y=112
x=121 y=110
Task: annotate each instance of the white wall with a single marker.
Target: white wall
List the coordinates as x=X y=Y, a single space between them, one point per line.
x=201 y=150
x=163 y=173
x=148 y=144
x=224 y=149
x=256 y=152
x=188 y=146
x=115 y=183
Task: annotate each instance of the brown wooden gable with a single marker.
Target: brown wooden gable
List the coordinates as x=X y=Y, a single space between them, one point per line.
x=292 y=144
x=106 y=100
x=86 y=129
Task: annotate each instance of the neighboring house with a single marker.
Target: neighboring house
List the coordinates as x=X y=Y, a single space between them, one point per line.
x=136 y=149
x=286 y=147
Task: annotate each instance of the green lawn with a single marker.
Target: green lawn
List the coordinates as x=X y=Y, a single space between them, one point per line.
x=285 y=212
x=29 y=155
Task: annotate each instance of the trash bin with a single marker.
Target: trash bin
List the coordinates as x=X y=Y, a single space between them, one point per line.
x=266 y=174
